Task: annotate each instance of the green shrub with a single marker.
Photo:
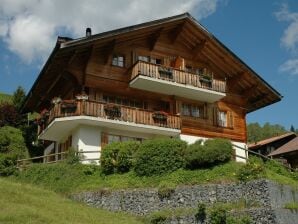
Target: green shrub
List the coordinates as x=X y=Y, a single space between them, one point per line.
x=213 y=151
x=238 y=220
x=12 y=148
x=278 y=168
x=253 y=169
x=159 y=156
x=165 y=190
x=201 y=213
x=117 y=157
x=218 y=215
x=72 y=157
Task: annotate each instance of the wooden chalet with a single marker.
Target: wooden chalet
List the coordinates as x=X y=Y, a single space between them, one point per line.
x=168 y=77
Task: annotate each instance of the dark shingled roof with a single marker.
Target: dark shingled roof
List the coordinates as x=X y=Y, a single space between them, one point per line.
x=286 y=148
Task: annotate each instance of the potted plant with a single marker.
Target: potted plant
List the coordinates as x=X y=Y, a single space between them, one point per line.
x=112 y=111
x=160 y=116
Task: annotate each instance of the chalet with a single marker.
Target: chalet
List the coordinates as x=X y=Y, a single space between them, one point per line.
x=168 y=77
x=267 y=146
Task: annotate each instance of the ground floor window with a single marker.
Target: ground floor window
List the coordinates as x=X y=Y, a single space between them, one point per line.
x=110 y=138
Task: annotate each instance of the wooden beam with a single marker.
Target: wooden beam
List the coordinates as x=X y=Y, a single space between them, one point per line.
x=90 y=53
x=154 y=38
x=198 y=48
x=110 y=48
x=177 y=32
x=232 y=82
x=246 y=93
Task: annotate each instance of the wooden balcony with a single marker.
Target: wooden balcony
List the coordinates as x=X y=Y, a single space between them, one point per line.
x=170 y=81
x=110 y=116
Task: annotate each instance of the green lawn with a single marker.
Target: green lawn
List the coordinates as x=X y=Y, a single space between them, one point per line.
x=23 y=203
x=5 y=97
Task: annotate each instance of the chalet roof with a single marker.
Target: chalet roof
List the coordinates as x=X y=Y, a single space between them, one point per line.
x=269 y=140
x=194 y=34
x=291 y=146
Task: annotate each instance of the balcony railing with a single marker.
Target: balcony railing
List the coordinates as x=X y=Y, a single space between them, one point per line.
x=177 y=76
x=70 y=108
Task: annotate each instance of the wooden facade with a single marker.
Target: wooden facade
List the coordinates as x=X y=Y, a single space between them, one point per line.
x=175 y=49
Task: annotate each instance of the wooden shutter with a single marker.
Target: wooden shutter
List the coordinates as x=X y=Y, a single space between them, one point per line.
x=215 y=116
x=230 y=119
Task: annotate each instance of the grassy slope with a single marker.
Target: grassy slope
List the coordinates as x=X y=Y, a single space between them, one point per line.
x=5 y=97
x=66 y=179
x=22 y=203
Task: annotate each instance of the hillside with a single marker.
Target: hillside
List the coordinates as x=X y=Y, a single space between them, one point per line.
x=5 y=97
x=23 y=203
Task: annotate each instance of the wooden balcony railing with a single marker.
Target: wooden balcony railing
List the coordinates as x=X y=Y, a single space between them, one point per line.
x=69 y=108
x=178 y=76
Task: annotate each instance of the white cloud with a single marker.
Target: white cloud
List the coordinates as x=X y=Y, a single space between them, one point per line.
x=290 y=66
x=30 y=27
x=289 y=39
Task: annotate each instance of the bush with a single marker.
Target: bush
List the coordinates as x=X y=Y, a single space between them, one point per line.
x=213 y=151
x=117 y=157
x=201 y=213
x=218 y=215
x=12 y=148
x=159 y=156
x=165 y=190
x=253 y=169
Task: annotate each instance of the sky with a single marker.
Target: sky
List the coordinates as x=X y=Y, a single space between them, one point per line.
x=264 y=34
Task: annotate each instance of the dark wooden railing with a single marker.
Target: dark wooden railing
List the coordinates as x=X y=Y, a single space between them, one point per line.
x=178 y=76
x=70 y=108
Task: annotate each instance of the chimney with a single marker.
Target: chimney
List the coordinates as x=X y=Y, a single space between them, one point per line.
x=88 y=32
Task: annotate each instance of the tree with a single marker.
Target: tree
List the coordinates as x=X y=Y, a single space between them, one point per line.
x=18 y=97
x=12 y=148
x=256 y=133
x=9 y=115
x=292 y=129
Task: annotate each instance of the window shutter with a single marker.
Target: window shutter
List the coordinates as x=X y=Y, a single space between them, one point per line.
x=230 y=119
x=215 y=116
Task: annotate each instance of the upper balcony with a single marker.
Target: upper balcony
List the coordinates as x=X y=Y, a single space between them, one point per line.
x=170 y=81
x=66 y=115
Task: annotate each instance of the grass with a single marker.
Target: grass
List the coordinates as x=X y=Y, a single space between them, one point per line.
x=291 y=206
x=23 y=203
x=66 y=178
x=5 y=98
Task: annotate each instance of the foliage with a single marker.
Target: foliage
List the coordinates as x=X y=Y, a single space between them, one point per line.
x=9 y=115
x=159 y=156
x=278 y=168
x=117 y=157
x=18 y=97
x=61 y=177
x=201 y=213
x=213 y=151
x=256 y=132
x=291 y=205
x=35 y=148
x=253 y=169
x=157 y=218
x=165 y=190
x=65 y=178
x=5 y=98
x=12 y=148
x=218 y=215
x=23 y=203
x=72 y=157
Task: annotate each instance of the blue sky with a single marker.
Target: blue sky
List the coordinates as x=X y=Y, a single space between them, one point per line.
x=262 y=33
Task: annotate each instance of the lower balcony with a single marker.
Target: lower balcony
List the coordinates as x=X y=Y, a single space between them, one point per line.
x=170 y=81
x=65 y=116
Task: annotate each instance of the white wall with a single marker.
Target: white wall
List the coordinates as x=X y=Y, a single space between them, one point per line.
x=87 y=138
x=239 y=152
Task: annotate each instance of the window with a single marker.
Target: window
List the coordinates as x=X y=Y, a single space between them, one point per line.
x=143 y=58
x=192 y=110
x=125 y=102
x=118 y=60
x=120 y=138
x=222 y=119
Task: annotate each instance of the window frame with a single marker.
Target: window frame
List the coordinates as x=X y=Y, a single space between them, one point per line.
x=116 y=57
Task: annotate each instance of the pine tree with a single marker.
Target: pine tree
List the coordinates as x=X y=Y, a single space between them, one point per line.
x=18 y=97
x=292 y=129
